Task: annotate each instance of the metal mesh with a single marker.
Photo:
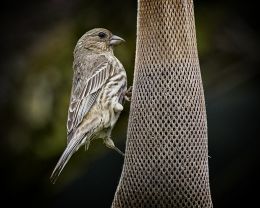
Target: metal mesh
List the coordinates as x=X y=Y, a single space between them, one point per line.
x=166 y=161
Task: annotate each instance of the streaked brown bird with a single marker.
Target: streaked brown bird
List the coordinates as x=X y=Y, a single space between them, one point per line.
x=98 y=92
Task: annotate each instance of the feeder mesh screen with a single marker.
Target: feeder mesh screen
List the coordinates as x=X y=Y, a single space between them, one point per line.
x=166 y=160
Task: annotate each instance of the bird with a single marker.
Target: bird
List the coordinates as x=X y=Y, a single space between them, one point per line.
x=99 y=89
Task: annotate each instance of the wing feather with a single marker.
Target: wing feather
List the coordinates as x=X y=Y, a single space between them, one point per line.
x=86 y=95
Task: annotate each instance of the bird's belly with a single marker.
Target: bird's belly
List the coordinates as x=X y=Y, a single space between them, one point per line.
x=110 y=117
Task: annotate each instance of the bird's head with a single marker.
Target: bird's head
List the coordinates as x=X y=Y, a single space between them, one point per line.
x=98 y=40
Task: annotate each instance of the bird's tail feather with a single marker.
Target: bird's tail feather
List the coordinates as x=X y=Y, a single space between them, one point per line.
x=66 y=155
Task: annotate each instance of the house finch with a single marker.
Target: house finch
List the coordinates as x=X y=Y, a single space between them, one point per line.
x=98 y=91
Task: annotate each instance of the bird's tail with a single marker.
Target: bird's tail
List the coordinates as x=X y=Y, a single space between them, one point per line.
x=71 y=148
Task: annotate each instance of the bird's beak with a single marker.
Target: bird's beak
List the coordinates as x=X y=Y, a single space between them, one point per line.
x=115 y=40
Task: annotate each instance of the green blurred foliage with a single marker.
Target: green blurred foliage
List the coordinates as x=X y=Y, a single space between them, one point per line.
x=37 y=44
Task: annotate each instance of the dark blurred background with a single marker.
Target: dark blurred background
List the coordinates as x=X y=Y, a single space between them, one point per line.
x=37 y=41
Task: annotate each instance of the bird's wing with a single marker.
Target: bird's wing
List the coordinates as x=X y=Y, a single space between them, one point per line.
x=87 y=83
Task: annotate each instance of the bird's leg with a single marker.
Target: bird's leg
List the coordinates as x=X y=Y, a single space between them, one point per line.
x=110 y=144
x=128 y=94
x=87 y=143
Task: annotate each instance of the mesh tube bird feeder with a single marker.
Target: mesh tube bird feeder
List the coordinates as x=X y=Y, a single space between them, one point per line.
x=166 y=160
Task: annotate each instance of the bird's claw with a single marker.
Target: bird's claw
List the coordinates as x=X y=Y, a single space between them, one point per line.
x=128 y=94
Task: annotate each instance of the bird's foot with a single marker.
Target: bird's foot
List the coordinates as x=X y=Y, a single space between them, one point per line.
x=128 y=94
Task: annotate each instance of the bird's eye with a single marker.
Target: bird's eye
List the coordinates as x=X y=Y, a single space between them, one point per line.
x=102 y=35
